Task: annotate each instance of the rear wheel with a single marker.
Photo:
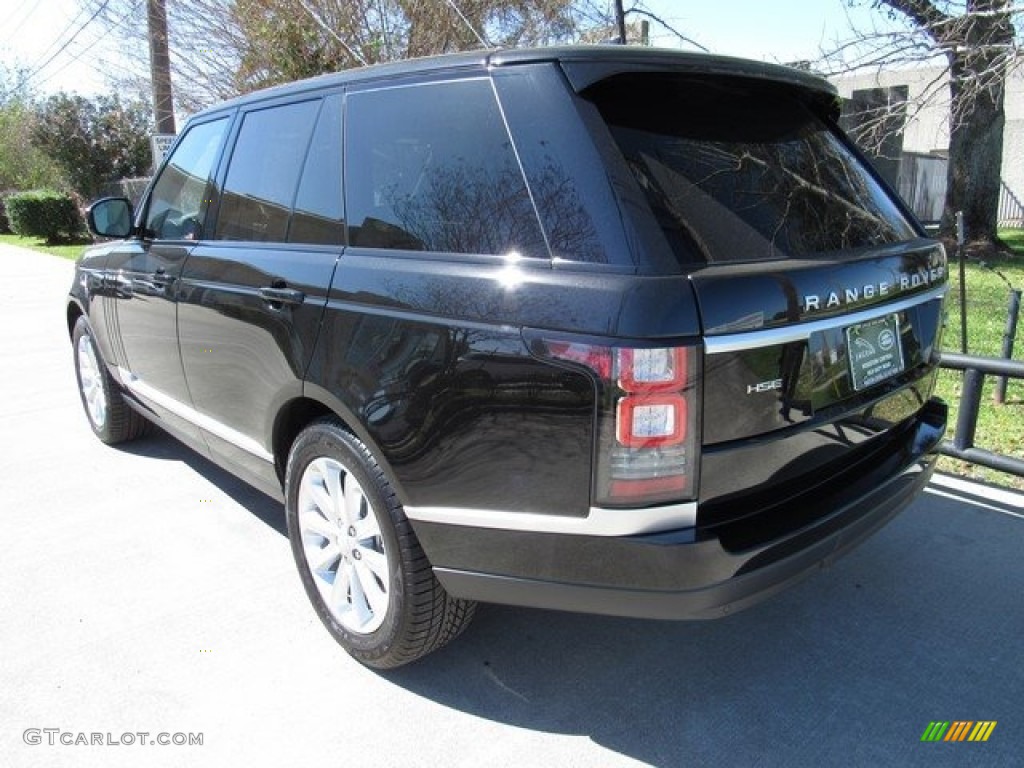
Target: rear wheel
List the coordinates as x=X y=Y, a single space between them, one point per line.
x=111 y=418
x=360 y=562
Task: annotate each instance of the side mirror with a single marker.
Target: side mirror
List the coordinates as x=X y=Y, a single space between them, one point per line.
x=110 y=217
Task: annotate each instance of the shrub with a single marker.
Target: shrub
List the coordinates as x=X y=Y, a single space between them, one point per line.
x=44 y=213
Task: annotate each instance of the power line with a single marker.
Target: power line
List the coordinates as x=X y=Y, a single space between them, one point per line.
x=465 y=21
x=57 y=41
x=93 y=44
x=32 y=6
x=327 y=28
x=72 y=39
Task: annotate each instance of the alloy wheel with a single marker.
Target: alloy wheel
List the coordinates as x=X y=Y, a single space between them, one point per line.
x=343 y=546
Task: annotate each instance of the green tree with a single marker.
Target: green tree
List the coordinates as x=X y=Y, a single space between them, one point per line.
x=94 y=141
x=22 y=165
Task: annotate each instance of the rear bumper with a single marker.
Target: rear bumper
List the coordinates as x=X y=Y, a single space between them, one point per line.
x=692 y=573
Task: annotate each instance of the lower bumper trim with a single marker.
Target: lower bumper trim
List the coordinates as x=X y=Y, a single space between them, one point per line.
x=714 y=600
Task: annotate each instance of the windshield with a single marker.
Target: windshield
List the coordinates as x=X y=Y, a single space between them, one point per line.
x=738 y=170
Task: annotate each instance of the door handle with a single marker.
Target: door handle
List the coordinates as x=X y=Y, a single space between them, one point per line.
x=160 y=277
x=123 y=286
x=274 y=295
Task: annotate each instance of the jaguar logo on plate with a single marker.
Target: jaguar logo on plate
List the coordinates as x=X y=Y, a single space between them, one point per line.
x=874 y=351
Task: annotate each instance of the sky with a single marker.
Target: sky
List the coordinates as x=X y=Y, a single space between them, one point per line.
x=56 y=43
x=770 y=30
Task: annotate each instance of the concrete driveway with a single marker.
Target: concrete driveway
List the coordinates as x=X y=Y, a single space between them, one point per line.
x=143 y=590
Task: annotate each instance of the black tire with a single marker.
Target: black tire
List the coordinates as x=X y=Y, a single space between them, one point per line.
x=111 y=418
x=415 y=615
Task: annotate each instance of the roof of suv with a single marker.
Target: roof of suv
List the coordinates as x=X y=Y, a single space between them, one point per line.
x=583 y=64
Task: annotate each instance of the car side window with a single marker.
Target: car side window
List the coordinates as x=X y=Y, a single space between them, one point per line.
x=318 y=216
x=181 y=195
x=263 y=172
x=432 y=168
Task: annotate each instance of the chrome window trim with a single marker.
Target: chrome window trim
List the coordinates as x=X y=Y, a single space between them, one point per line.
x=599 y=522
x=147 y=392
x=737 y=342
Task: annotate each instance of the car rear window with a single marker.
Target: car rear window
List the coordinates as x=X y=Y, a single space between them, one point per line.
x=737 y=170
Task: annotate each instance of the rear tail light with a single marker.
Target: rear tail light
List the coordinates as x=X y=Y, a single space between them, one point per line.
x=648 y=435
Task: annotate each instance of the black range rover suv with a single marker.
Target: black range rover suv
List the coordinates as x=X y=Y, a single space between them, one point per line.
x=613 y=330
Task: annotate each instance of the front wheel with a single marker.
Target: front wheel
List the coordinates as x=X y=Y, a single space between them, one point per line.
x=111 y=418
x=360 y=562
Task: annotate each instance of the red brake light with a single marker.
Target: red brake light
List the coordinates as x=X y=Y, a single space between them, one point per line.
x=652 y=370
x=597 y=359
x=648 y=446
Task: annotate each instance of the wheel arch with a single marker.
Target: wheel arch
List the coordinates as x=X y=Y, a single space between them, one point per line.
x=317 y=403
x=293 y=417
x=74 y=311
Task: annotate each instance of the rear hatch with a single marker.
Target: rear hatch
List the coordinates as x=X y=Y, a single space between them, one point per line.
x=819 y=295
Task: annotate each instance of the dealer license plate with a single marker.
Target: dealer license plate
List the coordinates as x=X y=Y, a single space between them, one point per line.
x=874 y=350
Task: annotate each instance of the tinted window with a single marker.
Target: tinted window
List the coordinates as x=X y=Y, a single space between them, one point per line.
x=181 y=195
x=567 y=179
x=265 y=164
x=736 y=171
x=318 y=216
x=432 y=168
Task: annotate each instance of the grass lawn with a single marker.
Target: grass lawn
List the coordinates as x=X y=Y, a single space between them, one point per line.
x=64 y=251
x=1015 y=239
x=1000 y=427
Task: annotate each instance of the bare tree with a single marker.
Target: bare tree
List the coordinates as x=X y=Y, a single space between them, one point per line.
x=221 y=48
x=976 y=46
x=613 y=21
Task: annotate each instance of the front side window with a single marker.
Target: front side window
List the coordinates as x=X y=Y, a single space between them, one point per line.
x=181 y=195
x=264 y=170
x=739 y=170
x=432 y=168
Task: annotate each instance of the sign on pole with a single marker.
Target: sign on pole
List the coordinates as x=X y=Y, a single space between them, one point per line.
x=160 y=143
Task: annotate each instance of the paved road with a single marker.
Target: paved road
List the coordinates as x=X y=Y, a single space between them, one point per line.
x=144 y=590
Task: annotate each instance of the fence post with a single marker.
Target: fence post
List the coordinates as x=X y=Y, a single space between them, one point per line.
x=970 y=403
x=960 y=239
x=1008 y=339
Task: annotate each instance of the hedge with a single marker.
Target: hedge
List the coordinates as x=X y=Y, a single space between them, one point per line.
x=44 y=213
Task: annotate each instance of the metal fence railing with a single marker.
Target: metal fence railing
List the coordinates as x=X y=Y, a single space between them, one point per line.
x=1011 y=209
x=922 y=184
x=962 y=445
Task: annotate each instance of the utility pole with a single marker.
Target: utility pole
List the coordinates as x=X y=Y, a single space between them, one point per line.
x=620 y=21
x=160 y=67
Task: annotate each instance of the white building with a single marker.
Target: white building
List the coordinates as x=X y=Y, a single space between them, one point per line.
x=925 y=139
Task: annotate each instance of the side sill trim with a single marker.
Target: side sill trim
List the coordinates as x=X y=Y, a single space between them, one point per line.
x=737 y=342
x=599 y=522
x=143 y=390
